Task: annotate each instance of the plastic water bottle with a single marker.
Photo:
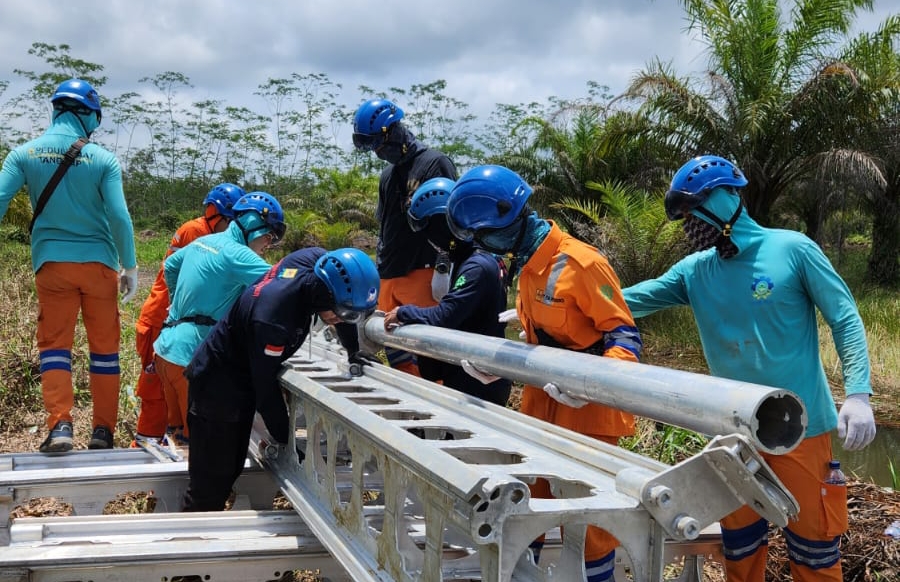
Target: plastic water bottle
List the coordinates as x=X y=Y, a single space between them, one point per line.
x=835 y=476
x=893 y=530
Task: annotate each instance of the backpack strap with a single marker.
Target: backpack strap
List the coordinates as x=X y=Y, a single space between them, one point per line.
x=67 y=161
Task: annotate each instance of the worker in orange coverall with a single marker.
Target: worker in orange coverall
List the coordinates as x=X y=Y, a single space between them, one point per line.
x=568 y=297
x=152 y=418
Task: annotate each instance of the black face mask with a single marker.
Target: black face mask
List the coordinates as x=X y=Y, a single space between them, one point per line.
x=396 y=145
x=438 y=233
x=703 y=235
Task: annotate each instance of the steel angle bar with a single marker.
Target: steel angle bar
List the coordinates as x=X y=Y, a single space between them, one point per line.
x=235 y=546
x=88 y=481
x=95 y=458
x=773 y=419
x=460 y=488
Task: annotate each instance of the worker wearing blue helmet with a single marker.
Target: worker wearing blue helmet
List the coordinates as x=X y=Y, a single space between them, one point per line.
x=568 y=297
x=475 y=295
x=204 y=279
x=407 y=264
x=754 y=292
x=234 y=372
x=82 y=253
x=218 y=212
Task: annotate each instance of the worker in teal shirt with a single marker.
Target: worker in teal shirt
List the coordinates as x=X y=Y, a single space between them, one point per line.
x=754 y=292
x=82 y=252
x=204 y=279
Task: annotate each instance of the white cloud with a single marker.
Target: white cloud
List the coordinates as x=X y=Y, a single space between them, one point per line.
x=488 y=52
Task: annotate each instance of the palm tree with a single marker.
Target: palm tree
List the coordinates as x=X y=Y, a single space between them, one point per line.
x=862 y=165
x=770 y=94
x=876 y=126
x=629 y=226
x=579 y=144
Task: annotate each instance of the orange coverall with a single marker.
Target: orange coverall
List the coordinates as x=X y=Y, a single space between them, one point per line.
x=414 y=288
x=153 y=415
x=568 y=290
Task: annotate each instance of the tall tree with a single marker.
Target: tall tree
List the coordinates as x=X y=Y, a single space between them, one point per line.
x=33 y=104
x=874 y=121
x=761 y=102
x=573 y=144
x=165 y=118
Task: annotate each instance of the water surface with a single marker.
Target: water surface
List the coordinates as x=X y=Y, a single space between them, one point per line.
x=872 y=463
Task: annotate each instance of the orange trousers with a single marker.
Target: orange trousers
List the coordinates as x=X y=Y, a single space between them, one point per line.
x=175 y=389
x=598 y=543
x=414 y=288
x=64 y=290
x=813 y=540
x=152 y=419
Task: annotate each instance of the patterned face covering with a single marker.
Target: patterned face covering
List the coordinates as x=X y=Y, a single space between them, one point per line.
x=397 y=145
x=703 y=235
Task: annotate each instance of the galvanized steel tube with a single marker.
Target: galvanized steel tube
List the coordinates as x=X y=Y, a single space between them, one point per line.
x=772 y=418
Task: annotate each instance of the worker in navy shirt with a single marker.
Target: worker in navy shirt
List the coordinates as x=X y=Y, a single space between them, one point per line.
x=405 y=261
x=476 y=295
x=234 y=372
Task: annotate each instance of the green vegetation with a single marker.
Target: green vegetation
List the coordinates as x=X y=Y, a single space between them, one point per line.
x=806 y=109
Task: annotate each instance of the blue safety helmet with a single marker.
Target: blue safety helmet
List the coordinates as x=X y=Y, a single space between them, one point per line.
x=224 y=197
x=694 y=181
x=353 y=280
x=429 y=199
x=80 y=91
x=486 y=197
x=85 y=98
x=372 y=121
x=266 y=217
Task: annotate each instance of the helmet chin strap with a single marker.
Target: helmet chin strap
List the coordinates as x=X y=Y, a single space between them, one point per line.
x=726 y=227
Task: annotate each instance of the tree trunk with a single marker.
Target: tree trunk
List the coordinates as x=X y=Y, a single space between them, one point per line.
x=884 y=260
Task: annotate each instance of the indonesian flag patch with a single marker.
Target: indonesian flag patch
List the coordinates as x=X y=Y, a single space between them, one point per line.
x=273 y=350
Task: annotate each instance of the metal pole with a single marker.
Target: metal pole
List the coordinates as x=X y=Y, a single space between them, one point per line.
x=772 y=418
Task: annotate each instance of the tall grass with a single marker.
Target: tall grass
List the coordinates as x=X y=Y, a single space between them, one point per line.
x=20 y=387
x=19 y=362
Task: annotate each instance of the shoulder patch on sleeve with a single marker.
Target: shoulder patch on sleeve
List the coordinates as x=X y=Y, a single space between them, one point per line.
x=288 y=273
x=271 y=350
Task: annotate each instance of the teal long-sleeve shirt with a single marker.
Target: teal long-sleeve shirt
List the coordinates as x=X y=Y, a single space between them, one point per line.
x=204 y=278
x=86 y=219
x=756 y=313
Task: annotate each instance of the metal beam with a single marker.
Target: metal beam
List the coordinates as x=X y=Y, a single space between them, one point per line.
x=459 y=468
x=773 y=419
x=89 y=480
x=403 y=480
x=232 y=546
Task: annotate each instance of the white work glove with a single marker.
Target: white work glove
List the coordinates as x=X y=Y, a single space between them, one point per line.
x=128 y=283
x=856 y=422
x=508 y=315
x=553 y=391
x=482 y=377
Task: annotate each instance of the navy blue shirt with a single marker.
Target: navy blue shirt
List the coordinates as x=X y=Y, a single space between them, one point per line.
x=234 y=372
x=477 y=295
x=400 y=249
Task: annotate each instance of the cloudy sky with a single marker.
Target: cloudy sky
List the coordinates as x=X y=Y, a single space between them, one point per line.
x=488 y=51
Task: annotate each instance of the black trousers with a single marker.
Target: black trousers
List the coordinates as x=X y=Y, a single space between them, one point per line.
x=218 y=451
